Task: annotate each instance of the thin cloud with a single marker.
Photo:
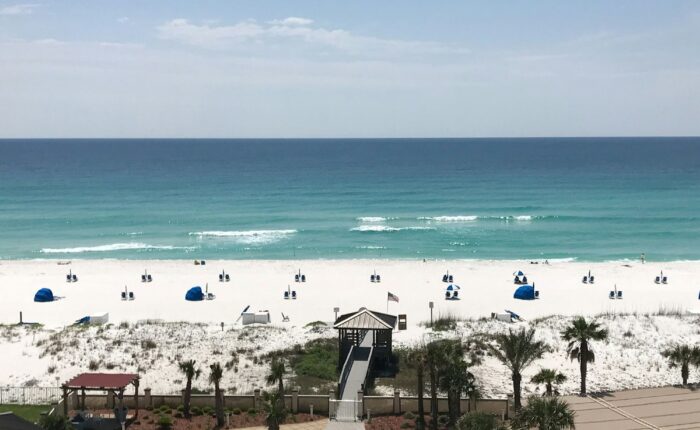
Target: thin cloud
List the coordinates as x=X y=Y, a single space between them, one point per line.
x=18 y=9
x=123 y=19
x=294 y=32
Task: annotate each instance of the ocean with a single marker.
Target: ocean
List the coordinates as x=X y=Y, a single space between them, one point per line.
x=584 y=199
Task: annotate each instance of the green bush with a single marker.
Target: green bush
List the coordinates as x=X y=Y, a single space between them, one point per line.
x=409 y=415
x=478 y=421
x=236 y=411
x=181 y=408
x=196 y=411
x=165 y=409
x=207 y=410
x=443 y=420
x=318 y=358
x=252 y=412
x=179 y=414
x=165 y=422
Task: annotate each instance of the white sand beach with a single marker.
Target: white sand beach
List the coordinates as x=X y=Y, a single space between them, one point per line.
x=630 y=359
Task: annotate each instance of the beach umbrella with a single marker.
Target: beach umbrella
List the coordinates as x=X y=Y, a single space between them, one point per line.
x=452 y=287
x=518 y=273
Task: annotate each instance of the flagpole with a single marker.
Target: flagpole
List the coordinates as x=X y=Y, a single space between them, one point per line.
x=387 y=302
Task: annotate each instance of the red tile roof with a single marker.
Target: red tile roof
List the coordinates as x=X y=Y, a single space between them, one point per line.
x=102 y=380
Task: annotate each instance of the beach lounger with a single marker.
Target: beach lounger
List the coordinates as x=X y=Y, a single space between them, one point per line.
x=303 y=278
x=123 y=295
x=203 y=263
x=619 y=294
x=444 y=278
x=455 y=295
x=131 y=295
x=537 y=294
x=285 y=318
x=286 y=295
x=611 y=295
x=296 y=278
x=221 y=277
x=210 y=296
x=585 y=279
x=69 y=278
x=371 y=278
x=294 y=295
x=447 y=295
x=227 y=277
x=524 y=279
x=590 y=280
x=75 y=278
x=657 y=280
x=143 y=278
x=664 y=280
x=150 y=278
x=516 y=281
x=378 y=278
x=450 y=278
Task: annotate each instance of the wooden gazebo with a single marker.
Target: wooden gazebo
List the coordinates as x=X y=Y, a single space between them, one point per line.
x=113 y=383
x=353 y=329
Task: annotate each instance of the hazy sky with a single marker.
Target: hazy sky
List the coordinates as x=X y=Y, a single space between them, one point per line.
x=231 y=68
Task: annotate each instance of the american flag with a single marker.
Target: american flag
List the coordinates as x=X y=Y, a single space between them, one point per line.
x=392 y=298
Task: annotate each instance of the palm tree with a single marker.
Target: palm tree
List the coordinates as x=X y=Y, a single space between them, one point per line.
x=276 y=374
x=579 y=334
x=454 y=377
x=215 y=378
x=417 y=357
x=434 y=359
x=683 y=356
x=275 y=412
x=517 y=350
x=548 y=377
x=545 y=413
x=191 y=372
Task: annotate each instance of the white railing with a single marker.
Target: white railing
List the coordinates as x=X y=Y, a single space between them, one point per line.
x=30 y=395
x=345 y=410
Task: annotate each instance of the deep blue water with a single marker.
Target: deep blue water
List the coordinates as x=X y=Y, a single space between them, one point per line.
x=589 y=199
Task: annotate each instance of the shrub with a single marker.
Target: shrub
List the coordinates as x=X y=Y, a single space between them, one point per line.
x=165 y=409
x=443 y=420
x=94 y=365
x=196 y=410
x=179 y=414
x=409 y=415
x=207 y=410
x=181 y=408
x=148 y=344
x=477 y=421
x=165 y=422
x=236 y=411
x=252 y=412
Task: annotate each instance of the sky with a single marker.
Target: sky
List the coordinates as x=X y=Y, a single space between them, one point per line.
x=326 y=68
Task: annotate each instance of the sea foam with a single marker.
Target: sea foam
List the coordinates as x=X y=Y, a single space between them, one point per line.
x=113 y=247
x=248 y=237
x=450 y=218
x=372 y=218
x=386 y=228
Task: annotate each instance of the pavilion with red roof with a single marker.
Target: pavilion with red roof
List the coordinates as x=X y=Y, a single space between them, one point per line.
x=114 y=383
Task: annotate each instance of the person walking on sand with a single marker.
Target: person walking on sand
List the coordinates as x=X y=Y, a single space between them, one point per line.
x=643 y=257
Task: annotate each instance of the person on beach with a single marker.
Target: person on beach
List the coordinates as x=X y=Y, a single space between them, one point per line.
x=643 y=257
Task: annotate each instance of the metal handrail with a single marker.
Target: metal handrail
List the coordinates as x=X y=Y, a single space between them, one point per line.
x=345 y=372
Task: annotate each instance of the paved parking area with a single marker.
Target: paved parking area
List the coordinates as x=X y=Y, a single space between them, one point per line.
x=671 y=408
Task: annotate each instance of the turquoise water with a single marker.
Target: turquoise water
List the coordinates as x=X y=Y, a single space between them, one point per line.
x=586 y=199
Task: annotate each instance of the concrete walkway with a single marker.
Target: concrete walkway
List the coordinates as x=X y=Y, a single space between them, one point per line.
x=311 y=425
x=671 y=408
x=338 y=425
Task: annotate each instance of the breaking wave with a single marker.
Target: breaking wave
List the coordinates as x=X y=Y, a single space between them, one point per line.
x=248 y=237
x=386 y=228
x=113 y=247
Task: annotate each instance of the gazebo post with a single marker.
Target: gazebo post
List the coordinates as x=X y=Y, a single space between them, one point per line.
x=136 y=397
x=65 y=401
x=82 y=400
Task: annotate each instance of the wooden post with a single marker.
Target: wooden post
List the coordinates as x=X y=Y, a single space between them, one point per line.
x=65 y=401
x=136 y=397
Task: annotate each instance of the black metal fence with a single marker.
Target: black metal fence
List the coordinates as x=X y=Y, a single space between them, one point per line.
x=30 y=395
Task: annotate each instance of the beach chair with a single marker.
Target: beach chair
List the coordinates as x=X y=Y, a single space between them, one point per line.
x=296 y=278
x=664 y=280
x=537 y=294
x=611 y=295
x=210 y=296
x=75 y=278
x=221 y=277
x=131 y=295
x=69 y=278
x=524 y=279
x=294 y=295
x=447 y=295
x=303 y=278
x=227 y=277
x=444 y=278
x=585 y=279
x=150 y=278
x=371 y=278
x=203 y=263
x=286 y=295
x=619 y=294
x=123 y=295
x=143 y=278
x=455 y=295
x=378 y=278
x=285 y=318
x=657 y=280
x=516 y=281
x=196 y=262
x=590 y=280
x=450 y=278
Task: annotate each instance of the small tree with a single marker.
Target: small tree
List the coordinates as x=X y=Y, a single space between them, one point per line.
x=191 y=372
x=548 y=377
x=517 y=350
x=417 y=357
x=276 y=374
x=215 y=378
x=579 y=335
x=478 y=421
x=683 y=356
x=275 y=411
x=544 y=413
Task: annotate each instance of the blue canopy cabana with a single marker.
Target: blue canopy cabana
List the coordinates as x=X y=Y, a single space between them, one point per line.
x=194 y=294
x=44 y=295
x=526 y=292
x=518 y=273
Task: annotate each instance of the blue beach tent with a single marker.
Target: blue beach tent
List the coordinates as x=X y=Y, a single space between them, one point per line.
x=519 y=273
x=525 y=292
x=43 y=295
x=194 y=294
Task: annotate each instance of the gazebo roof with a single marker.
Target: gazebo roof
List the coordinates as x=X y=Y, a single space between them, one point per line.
x=366 y=319
x=111 y=381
